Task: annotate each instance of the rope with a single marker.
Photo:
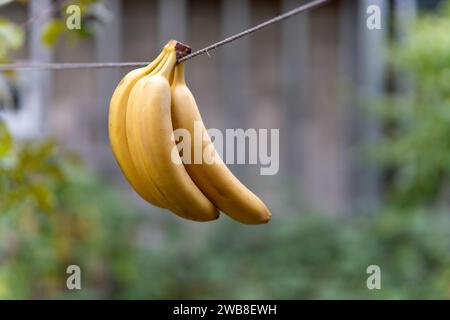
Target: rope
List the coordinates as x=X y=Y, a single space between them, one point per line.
x=69 y=66
x=260 y=26
x=81 y=65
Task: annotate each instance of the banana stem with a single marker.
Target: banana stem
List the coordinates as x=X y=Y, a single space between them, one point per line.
x=180 y=49
x=168 y=65
x=161 y=64
x=151 y=66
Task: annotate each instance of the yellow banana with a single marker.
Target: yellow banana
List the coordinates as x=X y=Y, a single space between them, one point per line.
x=215 y=180
x=150 y=138
x=117 y=132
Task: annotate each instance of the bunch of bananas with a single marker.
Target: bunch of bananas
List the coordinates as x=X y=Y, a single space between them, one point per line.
x=147 y=106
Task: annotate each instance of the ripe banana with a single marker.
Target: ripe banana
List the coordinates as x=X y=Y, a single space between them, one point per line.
x=117 y=131
x=213 y=177
x=149 y=132
x=147 y=106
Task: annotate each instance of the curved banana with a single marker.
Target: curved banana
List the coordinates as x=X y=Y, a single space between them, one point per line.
x=117 y=131
x=150 y=138
x=213 y=177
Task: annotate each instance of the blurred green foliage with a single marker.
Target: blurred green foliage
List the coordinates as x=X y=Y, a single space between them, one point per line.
x=91 y=11
x=54 y=212
x=12 y=35
x=308 y=257
x=417 y=121
x=11 y=38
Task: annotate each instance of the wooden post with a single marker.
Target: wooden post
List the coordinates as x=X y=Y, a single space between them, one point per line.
x=234 y=62
x=346 y=97
x=294 y=97
x=108 y=47
x=371 y=73
x=264 y=110
x=322 y=129
x=35 y=86
x=42 y=81
x=202 y=72
x=404 y=13
x=171 y=21
x=137 y=17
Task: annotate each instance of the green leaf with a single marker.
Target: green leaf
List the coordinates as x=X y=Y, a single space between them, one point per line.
x=5 y=140
x=11 y=37
x=11 y=34
x=43 y=197
x=52 y=31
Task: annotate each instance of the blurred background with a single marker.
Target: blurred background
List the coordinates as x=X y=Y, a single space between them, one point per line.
x=364 y=120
